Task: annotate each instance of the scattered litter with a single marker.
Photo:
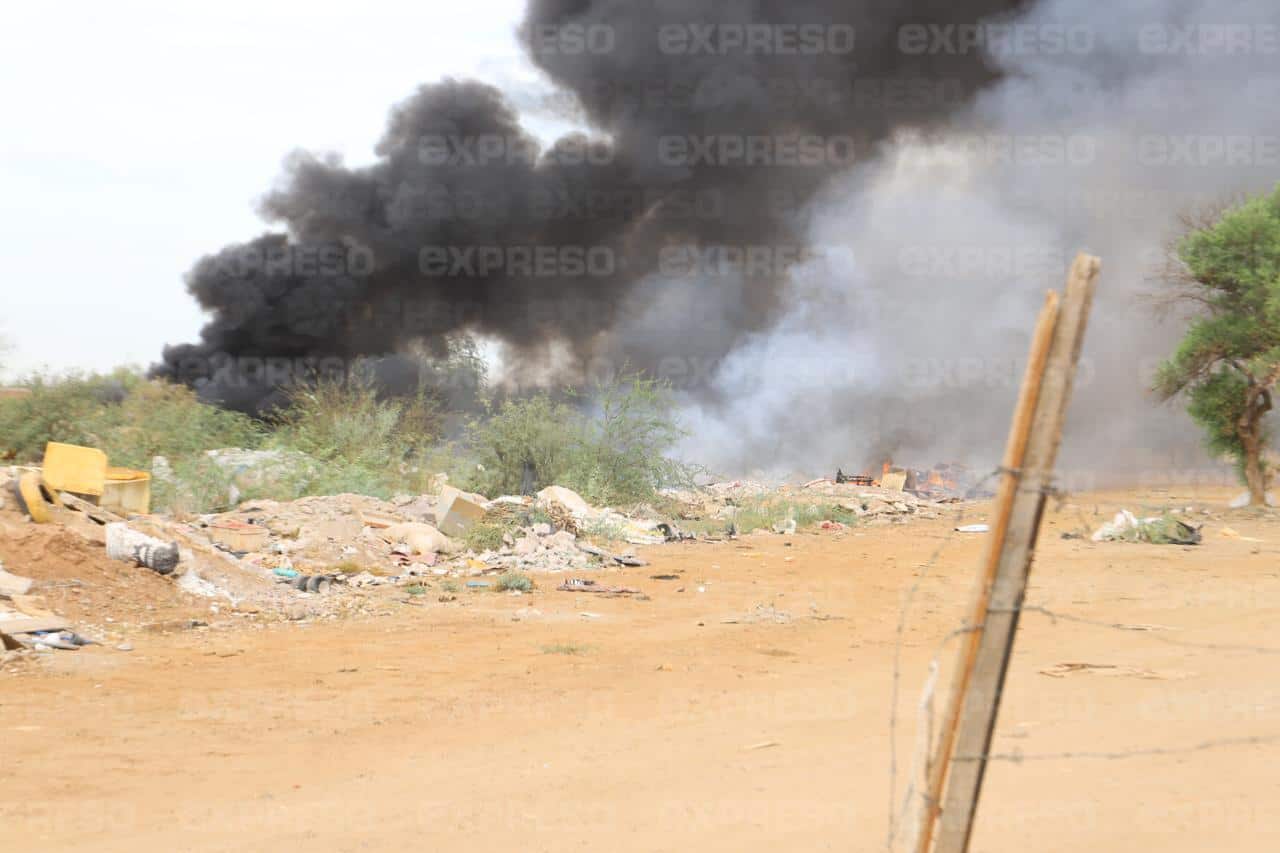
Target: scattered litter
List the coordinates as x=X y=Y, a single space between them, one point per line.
x=585 y=585
x=32 y=498
x=312 y=583
x=194 y=584
x=238 y=536
x=421 y=538
x=1229 y=533
x=64 y=639
x=764 y=744
x=72 y=468
x=1061 y=670
x=671 y=533
x=126 y=544
x=1242 y=500
x=973 y=528
x=761 y=613
x=1157 y=530
x=11 y=584
x=570 y=512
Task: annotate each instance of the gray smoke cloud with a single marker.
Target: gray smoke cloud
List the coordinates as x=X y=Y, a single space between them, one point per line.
x=1107 y=122
x=828 y=224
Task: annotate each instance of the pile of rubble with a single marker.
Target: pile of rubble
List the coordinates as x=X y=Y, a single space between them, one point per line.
x=286 y=559
x=722 y=500
x=375 y=541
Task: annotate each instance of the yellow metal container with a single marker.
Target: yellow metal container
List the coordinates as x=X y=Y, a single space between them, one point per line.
x=126 y=490
x=71 y=468
x=32 y=499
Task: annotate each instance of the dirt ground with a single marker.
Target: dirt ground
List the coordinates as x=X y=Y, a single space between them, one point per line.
x=744 y=705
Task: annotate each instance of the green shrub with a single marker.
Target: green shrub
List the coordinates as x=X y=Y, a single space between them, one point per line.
x=341 y=436
x=535 y=434
x=622 y=453
x=196 y=484
x=765 y=512
x=615 y=455
x=484 y=536
x=76 y=409
x=514 y=580
x=565 y=649
x=130 y=418
x=359 y=442
x=160 y=419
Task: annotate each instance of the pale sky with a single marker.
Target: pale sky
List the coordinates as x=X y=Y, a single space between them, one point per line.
x=137 y=136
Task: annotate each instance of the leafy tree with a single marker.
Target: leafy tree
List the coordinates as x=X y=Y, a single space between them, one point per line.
x=1227 y=267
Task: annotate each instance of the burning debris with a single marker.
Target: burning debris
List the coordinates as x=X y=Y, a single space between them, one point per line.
x=944 y=481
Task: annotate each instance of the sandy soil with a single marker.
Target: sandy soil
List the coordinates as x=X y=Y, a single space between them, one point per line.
x=743 y=706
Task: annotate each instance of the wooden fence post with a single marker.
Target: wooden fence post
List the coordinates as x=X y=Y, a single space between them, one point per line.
x=957 y=771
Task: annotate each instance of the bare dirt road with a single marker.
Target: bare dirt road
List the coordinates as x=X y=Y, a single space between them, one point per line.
x=744 y=706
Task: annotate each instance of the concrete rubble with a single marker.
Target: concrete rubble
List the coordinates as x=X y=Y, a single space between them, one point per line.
x=328 y=556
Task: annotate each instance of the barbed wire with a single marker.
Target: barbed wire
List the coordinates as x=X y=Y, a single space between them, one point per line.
x=1153 y=630
x=1017 y=757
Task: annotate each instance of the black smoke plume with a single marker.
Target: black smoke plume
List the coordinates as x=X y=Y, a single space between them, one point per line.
x=463 y=224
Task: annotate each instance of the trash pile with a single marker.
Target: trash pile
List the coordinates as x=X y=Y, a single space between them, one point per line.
x=322 y=556
x=370 y=542
x=875 y=503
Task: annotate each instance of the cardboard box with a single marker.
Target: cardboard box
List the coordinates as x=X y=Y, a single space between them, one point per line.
x=239 y=536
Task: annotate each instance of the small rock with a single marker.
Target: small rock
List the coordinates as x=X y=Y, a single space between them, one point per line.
x=125 y=647
x=563 y=539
